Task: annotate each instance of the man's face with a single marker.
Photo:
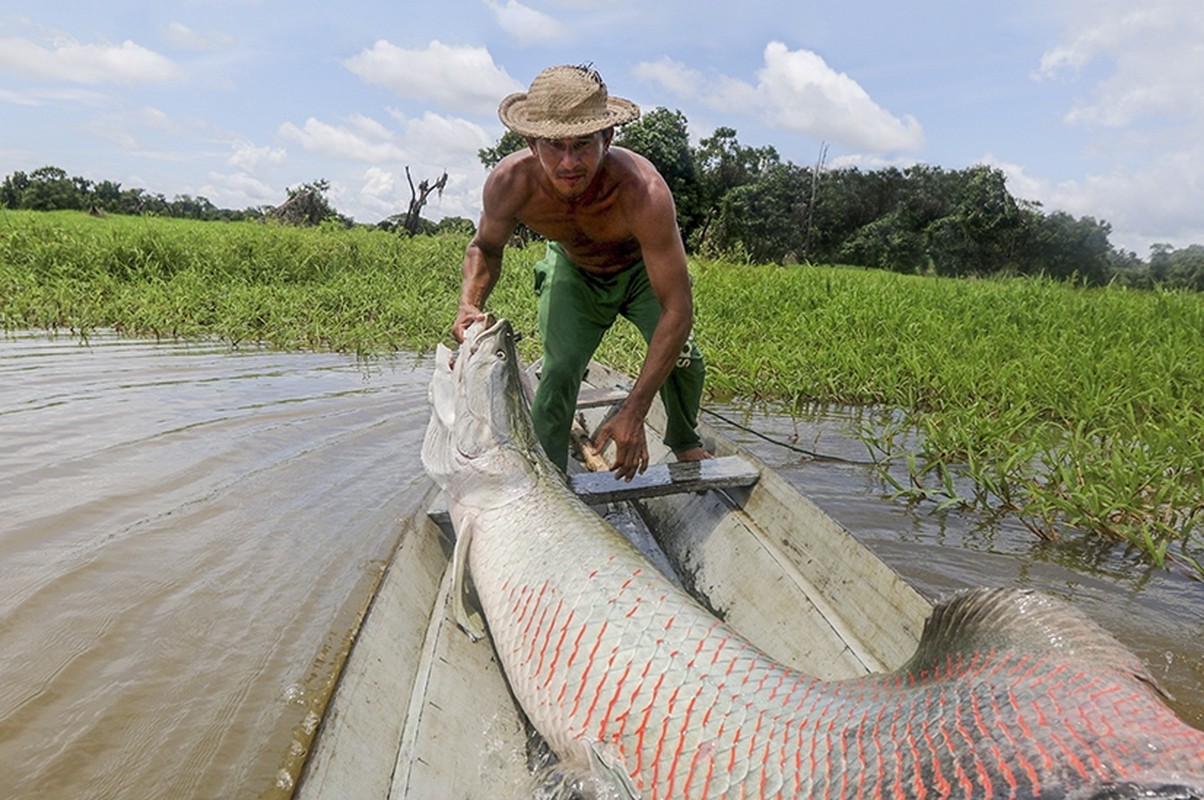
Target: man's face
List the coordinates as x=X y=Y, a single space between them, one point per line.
x=571 y=164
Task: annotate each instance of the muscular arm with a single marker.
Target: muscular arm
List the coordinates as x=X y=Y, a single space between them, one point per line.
x=483 y=257
x=654 y=223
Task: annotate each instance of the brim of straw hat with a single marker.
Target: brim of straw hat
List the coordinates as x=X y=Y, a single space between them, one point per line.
x=518 y=115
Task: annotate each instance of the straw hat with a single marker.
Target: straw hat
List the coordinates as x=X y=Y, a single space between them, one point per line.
x=565 y=102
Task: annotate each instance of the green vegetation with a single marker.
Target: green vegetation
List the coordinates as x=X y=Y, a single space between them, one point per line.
x=1075 y=408
x=746 y=205
x=330 y=287
x=1071 y=407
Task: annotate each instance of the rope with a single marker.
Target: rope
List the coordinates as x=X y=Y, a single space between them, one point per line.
x=787 y=445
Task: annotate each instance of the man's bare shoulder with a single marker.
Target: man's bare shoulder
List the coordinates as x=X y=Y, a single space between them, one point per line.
x=642 y=189
x=628 y=164
x=512 y=181
x=640 y=180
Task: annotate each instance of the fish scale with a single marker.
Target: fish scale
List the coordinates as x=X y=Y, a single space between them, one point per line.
x=1010 y=694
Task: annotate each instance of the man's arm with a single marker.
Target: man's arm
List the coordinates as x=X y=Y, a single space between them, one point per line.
x=654 y=223
x=483 y=257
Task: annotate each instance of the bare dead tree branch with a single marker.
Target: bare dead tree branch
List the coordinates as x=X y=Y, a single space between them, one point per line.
x=418 y=198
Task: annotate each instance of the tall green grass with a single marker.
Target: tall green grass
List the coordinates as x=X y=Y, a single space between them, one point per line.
x=1074 y=409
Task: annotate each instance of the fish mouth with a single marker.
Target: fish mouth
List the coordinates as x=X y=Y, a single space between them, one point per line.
x=483 y=328
x=485 y=334
x=489 y=372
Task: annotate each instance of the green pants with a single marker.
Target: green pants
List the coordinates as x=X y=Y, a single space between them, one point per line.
x=575 y=309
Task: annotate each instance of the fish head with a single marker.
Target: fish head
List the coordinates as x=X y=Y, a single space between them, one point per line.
x=480 y=416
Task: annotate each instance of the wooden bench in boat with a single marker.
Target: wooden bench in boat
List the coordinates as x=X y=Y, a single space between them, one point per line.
x=595 y=398
x=726 y=472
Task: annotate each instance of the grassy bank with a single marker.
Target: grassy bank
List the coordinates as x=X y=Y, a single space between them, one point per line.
x=1071 y=408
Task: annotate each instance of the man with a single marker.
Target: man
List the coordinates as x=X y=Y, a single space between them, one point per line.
x=613 y=248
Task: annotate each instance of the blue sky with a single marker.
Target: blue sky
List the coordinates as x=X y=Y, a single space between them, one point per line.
x=1090 y=107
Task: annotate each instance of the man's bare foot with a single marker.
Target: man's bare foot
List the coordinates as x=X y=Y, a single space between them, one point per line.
x=694 y=454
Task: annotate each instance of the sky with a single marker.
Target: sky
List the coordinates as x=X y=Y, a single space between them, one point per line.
x=1090 y=107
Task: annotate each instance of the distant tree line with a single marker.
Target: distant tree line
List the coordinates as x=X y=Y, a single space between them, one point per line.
x=747 y=203
x=52 y=189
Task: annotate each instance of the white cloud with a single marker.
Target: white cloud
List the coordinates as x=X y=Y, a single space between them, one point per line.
x=428 y=139
x=68 y=60
x=157 y=119
x=186 y=38
x=435 y=139
x=802 y=93
x=1156 y=57
x=672 y=76
x=113 y=128
x=1142 y=109
x=239 y=190
x=717 y=92
x=459 y=78
x=1155 y=203
x=796 y=91
x=19 y=98
x=385 y=193
x=63 y=96
x=378 y=183
x=246 y=156
x=527 y=25
x=428 y=144
x=360 y=139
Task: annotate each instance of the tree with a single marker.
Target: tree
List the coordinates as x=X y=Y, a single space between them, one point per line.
x=510 y=142
x=1178 y=268
x=766 y=218
x=724 y=164
x=661 y=136
x=978 y=234
x=307 y=205
x=1064 y=247
x=49 y=189
x=459 y=226
x=889 y=242
x=106 y=195
x=12 y=191
x=418 y=199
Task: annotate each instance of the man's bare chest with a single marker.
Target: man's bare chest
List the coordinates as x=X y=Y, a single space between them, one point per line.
x=592 y=240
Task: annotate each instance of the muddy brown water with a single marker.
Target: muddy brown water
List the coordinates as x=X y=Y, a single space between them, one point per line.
x=188 y=534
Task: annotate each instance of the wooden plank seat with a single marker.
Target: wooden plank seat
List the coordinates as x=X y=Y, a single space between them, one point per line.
x=727 y=472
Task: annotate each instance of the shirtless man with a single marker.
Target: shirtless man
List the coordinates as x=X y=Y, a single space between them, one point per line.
x=613 y=248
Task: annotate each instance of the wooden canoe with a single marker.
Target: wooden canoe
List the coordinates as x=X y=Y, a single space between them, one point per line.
x=420 y=711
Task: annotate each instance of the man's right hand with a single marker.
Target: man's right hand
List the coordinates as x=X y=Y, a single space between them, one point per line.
x=465 y=317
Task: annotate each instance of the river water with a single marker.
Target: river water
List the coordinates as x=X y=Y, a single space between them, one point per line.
x=188 y=534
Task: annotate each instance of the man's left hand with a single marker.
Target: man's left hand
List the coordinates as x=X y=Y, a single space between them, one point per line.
x=626 y=430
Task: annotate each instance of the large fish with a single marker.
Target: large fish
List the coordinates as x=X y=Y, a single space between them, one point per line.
x=1010 y=694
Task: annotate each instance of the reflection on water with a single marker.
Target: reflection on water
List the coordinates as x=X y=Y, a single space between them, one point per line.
x=1160 y=615
x=188 y=536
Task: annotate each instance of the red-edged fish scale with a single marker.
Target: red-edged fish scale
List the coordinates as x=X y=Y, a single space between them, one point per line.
x=599 y=647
